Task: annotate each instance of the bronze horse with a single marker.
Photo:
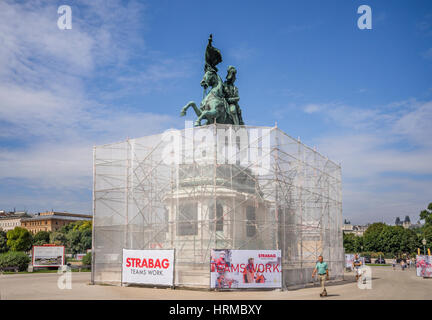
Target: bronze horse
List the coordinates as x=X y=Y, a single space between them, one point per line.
x=213 y=106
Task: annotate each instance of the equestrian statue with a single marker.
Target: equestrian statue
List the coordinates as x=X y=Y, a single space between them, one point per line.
x=220 y=103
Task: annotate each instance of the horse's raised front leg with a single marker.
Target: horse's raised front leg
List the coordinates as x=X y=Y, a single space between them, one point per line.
x=209 y=115
x=190 y=104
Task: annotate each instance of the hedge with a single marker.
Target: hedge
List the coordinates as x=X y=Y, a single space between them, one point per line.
x=86 y=260
x=14 y=259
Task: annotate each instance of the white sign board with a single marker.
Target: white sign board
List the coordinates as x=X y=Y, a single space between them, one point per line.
x=154 y=267
x=48 y=256
x=245 y=269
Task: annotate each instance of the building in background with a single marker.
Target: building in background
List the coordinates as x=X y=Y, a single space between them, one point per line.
x=407 y=223
x=52 y=221
x=355 y=229
x=10 y=220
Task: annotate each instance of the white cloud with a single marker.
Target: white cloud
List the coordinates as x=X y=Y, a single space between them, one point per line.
x=386 y=157
x=416 y=125
x=242 y=52
x=46 y=105
x=312 y=108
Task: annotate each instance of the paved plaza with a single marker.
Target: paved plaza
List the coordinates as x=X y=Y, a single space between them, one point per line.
x=386 y=284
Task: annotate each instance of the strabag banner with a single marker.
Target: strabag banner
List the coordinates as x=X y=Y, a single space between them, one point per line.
x=424 y=266
x=231 y=269
x=154 y=267
x=48 y=256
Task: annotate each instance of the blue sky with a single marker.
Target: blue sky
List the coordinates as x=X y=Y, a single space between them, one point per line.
x=362 y=97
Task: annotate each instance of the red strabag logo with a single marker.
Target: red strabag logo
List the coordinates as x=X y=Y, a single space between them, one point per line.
x=147 y=263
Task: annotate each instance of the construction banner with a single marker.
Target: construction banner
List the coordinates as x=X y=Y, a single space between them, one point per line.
x=232 y=269
x=155 y=267
x=424 y=266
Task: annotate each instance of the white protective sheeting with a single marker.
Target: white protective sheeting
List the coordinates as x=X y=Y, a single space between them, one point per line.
x=216 y=187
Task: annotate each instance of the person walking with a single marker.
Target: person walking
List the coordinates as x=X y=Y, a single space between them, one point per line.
x=394 y=263
x=323 y=274
x=357 y=264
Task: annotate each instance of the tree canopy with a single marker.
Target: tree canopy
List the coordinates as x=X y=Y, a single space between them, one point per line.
x=352 y=243
x=3 y=242
x=373 y=237
x=380 y=237
x=426 y=215
x=41 y=238
x=77 y=236
x=19 y=239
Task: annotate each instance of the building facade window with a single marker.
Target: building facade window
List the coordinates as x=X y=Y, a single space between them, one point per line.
x=219 y=217
x=187 y=215
x=250 y=221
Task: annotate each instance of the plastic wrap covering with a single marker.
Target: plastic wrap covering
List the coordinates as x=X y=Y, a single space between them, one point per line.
x=216 y=187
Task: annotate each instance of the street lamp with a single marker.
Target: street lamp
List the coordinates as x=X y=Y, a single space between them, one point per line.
x=424 y=246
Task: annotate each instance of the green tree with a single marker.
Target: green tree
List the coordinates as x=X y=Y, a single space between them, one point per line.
x=352 y=243
x=19 y=239
x=86 y=239
x=426 y=215
x=78 y=236
x=13 y=259
x=85 y=226
x=348 y=242
x=426 y=234
x=41 y=238
x=395 y=240
x=78 y=241
x=409 y=241
x=87 y=259
x=73 y=241
x=3 y=242
x=373 y=238
x=58 y=238
x=358 y=244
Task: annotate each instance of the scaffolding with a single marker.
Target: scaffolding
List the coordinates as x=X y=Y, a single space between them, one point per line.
x=216 y=187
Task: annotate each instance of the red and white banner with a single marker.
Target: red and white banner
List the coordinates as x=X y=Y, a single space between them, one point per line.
x=245 y=269
x=48 y=256
x=154 y=267
x=424 y=266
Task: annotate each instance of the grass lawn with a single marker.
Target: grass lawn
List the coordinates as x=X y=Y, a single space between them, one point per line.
x=44 y=271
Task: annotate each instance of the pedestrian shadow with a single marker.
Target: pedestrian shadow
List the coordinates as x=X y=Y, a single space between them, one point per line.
x=351 y=279
x=329 y=283
x=331 y=295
